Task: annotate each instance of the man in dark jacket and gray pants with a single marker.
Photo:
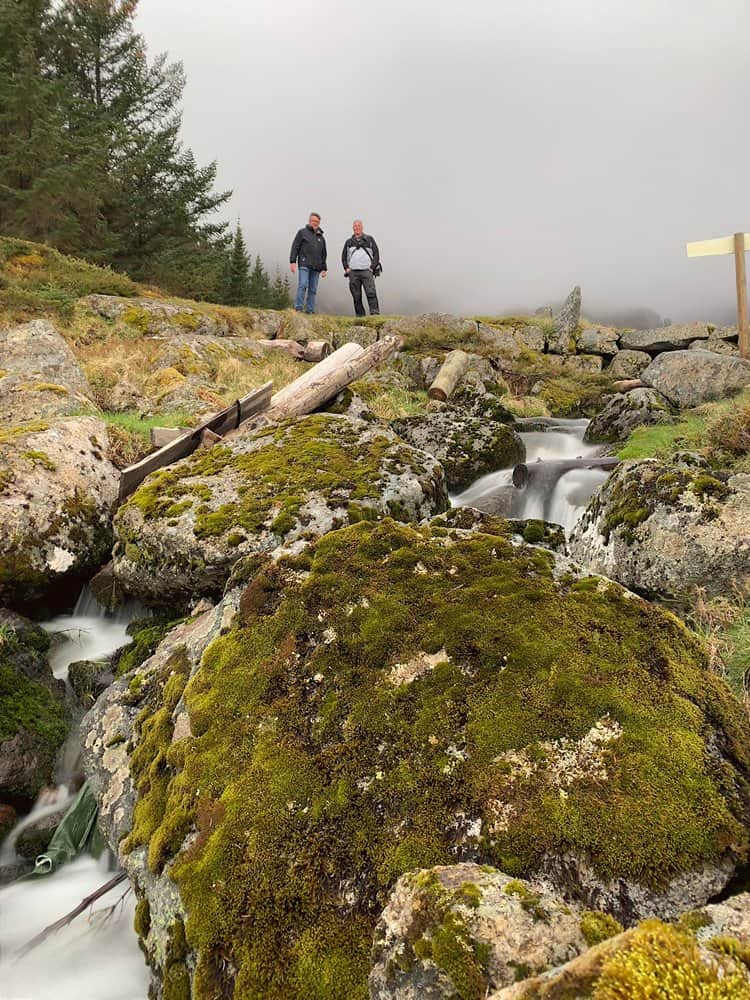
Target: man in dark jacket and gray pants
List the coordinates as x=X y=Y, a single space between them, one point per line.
x=309 y=254
x=361 y=260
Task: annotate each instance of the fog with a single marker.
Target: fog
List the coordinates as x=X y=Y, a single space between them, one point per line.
x=500 y=151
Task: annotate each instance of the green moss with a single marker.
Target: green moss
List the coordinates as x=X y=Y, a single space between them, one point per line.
x=709 y=486
x=142 y=918
x=309 y=771
x=147 y=634
x=319 y=454
x=137 y=318
x=694 y=920
x=530 y=901
x=534 y=532
x=40 y=458
x=574 y=395
x=730 y=946
x=597 y=926
x=58 y=390
x=8 y=434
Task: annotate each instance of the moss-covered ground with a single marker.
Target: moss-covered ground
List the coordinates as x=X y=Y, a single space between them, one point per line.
x=314 y=777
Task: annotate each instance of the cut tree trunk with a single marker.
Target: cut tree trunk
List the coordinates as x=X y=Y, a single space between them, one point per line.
x=449 y=376
x=628 y=384
x=333 y=362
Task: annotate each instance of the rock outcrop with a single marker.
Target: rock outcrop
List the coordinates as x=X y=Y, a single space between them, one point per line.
x=182 y=531
x=397 y=697
x=57 y=493
x=623 y=412
x=629 y=364
x=664 y=338
x=467 y=443
x=663 y=529
x=156 y=317
x=689 y=378
x=466 y=930
x=33 y=718
x=566 y=325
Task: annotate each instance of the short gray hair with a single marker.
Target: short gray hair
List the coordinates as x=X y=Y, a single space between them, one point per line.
x=358 y=221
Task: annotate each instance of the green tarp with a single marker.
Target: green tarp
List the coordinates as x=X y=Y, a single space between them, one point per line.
x=78 y=831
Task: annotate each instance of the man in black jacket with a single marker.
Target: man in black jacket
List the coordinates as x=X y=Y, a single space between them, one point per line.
x=361 y=260
x=309 y=254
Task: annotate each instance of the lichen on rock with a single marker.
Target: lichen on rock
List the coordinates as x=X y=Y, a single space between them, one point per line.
x=182 y=531
x=307 y=782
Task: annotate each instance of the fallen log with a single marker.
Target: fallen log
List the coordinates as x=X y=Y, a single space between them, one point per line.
x=333 y=362
x=535 y=472
x=220 y=423
x=321 y=388
x=449 y=376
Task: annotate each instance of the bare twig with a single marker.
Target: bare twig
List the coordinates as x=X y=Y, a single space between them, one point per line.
x=70 y=917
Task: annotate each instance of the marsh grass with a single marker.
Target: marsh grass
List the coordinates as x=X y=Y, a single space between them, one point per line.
x=724 y=625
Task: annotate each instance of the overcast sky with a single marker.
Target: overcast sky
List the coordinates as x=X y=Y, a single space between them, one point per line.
x=500 y=151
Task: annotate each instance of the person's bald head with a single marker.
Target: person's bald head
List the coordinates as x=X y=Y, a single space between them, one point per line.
x=357 y=227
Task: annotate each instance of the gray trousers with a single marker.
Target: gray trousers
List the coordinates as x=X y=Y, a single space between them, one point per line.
x=358 y=280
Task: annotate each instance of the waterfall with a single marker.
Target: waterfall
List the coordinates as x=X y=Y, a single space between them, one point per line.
x=552 y=491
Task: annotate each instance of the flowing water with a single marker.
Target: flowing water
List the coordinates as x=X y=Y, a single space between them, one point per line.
x=97 y=956
x=554 y=492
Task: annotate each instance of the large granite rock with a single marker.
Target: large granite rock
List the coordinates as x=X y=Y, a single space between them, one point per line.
x=623 y=412
x=689 y=378
x=57 y=493
x=598 y=340
x=664 y=529
x=33 y=718
x=181 y=532
x=566 y=325
x=629 y=364
x=467 y=929
x=156 y=317
x=664 y=338
x=467 y=444
x=396 y=696
x=39 y=376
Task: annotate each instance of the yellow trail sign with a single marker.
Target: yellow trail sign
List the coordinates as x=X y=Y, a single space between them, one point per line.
x=737 y=245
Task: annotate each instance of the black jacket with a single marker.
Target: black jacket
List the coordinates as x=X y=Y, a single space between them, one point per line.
x=365 y=241
x=309 y=249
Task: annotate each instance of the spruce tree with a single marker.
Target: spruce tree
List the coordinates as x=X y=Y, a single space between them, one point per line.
x=261 y=293
x=236 y=291
x=281 y=296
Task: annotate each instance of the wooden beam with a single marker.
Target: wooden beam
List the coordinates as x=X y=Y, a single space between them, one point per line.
x=166 y=435
x=739 y=264
x=722 y=245
x=220 y=423
x=450 y=374
x=345 y=353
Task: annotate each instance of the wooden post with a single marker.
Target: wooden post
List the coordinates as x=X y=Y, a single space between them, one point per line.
x=449 y=376
x=742 y=324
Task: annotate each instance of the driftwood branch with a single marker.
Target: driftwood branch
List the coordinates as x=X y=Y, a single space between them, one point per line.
x=70 y=917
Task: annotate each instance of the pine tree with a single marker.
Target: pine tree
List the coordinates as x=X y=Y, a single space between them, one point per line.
x=281 y=297
x=236 y=281
x=261 y=293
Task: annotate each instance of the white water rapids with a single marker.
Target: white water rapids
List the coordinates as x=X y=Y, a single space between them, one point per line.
x=559 y=499
x=97 y=956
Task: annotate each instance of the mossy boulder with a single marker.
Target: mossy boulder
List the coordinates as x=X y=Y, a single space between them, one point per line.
x=397 y=697
x=467 y=444
x=665 y=528
x=693 y=377
x=34 y=720
x=58 y=489
x=182 y=531
x=623 y=412
x=464 y=930
x=157 y=317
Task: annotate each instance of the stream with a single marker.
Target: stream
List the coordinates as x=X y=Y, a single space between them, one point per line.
x=97 y=957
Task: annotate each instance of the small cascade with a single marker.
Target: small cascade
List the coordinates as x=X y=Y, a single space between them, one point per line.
x=551 y=488
x=51 y=800
x=90 y=632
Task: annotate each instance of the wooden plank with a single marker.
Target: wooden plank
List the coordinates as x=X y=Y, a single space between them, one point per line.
x=166 y=435
x=739 y=264
x=220 y=423
x=722 y=245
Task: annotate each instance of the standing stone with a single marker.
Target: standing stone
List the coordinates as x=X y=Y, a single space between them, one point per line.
x=563 y=340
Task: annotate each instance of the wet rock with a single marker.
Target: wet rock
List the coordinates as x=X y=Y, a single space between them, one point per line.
x=182 y=531
x=34 y=720
x=566 y=325
x=39 y=376
x=624 y=412
x=664 y=338
x=467 y=446
x=8 y=817
x=57 y=493
x=106 y=589
x=35 y=837
x=689 y=378
x=89 y=680
x=397 y=692
x=466 y=929
x=662 y=529
x=629 y=364
x=598 y=340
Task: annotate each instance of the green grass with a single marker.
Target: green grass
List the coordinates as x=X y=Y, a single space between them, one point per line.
x=36 y=280
x=663 y=440
x=738 y=657
x=136 y=424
